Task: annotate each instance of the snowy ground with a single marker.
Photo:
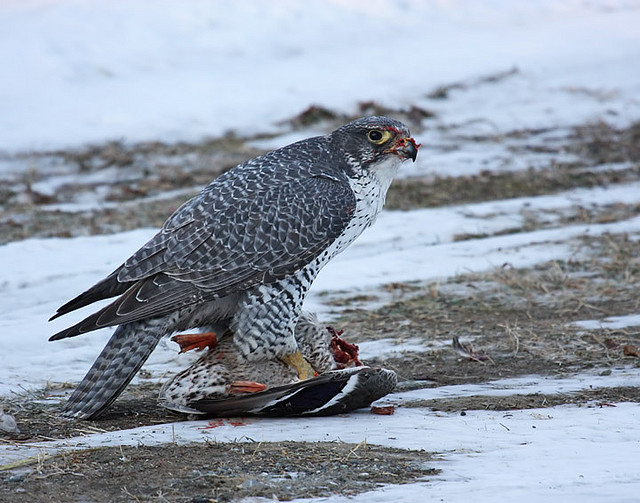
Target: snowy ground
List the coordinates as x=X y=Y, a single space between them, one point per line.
x=527 y=454
x=77 y=72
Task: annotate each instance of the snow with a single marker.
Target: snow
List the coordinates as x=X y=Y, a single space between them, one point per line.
x=77 y=72
x=611 y=322
x=524 y=386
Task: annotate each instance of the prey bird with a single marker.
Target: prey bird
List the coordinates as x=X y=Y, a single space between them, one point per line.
x=239 y=257
x=221 y=383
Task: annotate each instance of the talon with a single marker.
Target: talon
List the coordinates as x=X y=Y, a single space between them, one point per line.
x=301 y=366
x=238 y=387
x=199 y=342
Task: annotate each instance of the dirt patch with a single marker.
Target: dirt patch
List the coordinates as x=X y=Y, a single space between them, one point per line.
x=604 y=143
x=128 y=186
x=600 y=397
x=315 y=115
x=489 y=185
x=215 y=472
x=593 y=145
x=139 y=185
x=37 y=413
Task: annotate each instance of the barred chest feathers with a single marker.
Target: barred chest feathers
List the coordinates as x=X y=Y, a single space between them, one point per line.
x=370 y=189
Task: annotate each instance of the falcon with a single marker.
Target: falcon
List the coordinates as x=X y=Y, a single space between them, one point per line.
x=239 y=257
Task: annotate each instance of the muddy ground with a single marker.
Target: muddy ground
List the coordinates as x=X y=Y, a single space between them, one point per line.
x=520 y=320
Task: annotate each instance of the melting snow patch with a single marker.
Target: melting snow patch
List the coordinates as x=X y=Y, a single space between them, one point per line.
x=385 y=347
x=612 y=322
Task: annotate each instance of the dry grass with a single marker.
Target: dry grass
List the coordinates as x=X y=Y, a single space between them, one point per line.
x=521 y=318
x=216 y=472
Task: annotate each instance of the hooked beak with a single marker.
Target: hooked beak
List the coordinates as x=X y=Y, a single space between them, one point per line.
x=406 y=148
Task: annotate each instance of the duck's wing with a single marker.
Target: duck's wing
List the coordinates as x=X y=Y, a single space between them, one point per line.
x=331 y=393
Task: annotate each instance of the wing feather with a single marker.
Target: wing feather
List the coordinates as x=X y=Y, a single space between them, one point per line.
x=258 y=223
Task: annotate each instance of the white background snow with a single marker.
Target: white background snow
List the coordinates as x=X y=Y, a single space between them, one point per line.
x=78 y=71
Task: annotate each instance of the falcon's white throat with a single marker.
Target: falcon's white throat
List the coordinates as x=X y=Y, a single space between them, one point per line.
x=386 y=170
x=370 y=189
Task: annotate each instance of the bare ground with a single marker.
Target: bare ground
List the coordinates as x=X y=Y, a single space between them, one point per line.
x=519 y=321
x=216 y=472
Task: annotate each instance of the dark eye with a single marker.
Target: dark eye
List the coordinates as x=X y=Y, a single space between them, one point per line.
x=378 y=136
x=375 y=135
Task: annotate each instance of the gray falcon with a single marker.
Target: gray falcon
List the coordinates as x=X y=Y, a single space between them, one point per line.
x=240 y=256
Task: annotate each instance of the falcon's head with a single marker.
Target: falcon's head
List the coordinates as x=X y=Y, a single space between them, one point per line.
x=369 y=141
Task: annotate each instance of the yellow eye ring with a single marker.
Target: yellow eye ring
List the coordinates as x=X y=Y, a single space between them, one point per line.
x=378 y=136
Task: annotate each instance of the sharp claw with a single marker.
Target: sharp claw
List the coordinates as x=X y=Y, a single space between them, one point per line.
x=201 y=341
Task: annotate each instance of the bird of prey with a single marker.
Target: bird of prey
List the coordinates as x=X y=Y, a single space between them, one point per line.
x=220 y=383
x=240 y=256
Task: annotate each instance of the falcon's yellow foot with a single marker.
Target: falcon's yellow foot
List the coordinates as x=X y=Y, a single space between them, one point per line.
x=188 y=342
x=302 y=367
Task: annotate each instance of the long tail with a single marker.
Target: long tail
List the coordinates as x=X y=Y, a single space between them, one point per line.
x=120 y=360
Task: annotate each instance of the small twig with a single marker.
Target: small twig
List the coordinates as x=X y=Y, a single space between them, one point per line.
x=90 y=430
x=126 y=491
x=253 y=454
x=353 y=451
x=22 y=462
x=511 y=332
x=601 y=343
